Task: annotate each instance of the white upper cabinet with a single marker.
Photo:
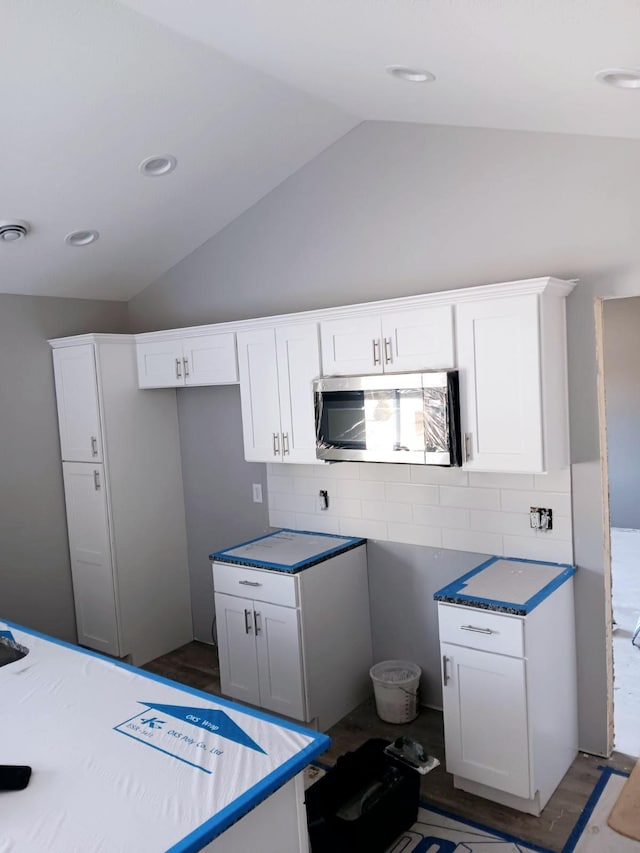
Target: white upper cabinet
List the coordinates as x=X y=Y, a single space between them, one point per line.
x=277 y=367
x=419 y=338
x=178 y=361
x=513 y=380
x=77 y=402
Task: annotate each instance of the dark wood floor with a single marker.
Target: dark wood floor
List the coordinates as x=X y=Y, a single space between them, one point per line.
x=196 y=665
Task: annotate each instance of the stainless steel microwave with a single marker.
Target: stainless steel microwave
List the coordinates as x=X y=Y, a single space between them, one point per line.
x=401 y=417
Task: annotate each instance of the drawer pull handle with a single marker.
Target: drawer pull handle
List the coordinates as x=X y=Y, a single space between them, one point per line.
x=249 y=583
x=477 y=630
x=445 y=674
x=247 y=621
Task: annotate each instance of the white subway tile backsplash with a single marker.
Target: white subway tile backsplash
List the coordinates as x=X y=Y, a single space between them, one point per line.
x=383 y=511
x=317 y=523
x=344 y=506
x=441 y=516
x=423 y=505
x=555 y=481
x=538 y=549
x=337 y=470
x=469 y=498
x=434 y=475
x=307 y=485
x=285 y=485
x=363 y=527
x=501 y=481
x=411 y=493
x=472 y=540
x=292 y=502
x=360 y=489
x=523 y=501
x=516 y=524
x=415 y=534
x=282 y=519
x=384 y=472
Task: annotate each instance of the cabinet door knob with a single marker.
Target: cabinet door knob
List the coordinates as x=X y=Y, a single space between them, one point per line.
x=388 y=351
x=376 y=352
x=178 y=368
x=445 y=674
x=247 y=621
x=94 y=445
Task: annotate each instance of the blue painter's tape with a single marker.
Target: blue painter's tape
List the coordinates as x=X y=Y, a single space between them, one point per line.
x=454 y=593
x=347 y=542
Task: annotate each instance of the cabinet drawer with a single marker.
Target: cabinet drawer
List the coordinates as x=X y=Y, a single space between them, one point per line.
x=257 y=584
x=481 y=629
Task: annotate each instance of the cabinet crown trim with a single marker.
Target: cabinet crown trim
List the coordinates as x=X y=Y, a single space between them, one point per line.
x=559 y=287
x=81 y=340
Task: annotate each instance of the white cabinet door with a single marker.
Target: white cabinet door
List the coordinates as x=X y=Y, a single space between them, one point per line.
x=485 y=718
x=279 y=659
x=259 y=397
x=418 y=339
x=90 y=550
x=77 y=402
x=500 y=384
x=160 y=364
x=237 y=648
x=351 y=346
x=210 y=359
x=390 y=342
x=298 y=361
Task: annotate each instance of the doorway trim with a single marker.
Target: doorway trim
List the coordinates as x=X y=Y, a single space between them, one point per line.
x=606 y=520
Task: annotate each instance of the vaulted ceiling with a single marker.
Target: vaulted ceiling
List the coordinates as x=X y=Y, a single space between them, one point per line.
x=245 y=92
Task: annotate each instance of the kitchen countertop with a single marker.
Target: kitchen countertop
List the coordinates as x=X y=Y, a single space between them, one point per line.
x=126 y=760
x=287 y=550
x=506 y=585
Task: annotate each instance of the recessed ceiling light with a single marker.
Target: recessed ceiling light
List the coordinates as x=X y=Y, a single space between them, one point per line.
x=160 y=164
x=81 y=238
x=411 y=75
x=13 y=229
x=621 y=78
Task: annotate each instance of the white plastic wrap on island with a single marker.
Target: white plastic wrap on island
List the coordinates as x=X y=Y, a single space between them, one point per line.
x=126 y=762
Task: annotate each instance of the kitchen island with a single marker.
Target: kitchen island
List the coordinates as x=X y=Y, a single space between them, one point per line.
x=124 y=760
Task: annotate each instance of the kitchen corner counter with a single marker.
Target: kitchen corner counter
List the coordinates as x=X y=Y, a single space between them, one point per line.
x=506 y=585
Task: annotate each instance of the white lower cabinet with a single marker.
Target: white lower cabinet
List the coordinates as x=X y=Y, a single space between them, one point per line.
x=260 y=654
x=296 y=644
x=509 y=699
x=90 y=552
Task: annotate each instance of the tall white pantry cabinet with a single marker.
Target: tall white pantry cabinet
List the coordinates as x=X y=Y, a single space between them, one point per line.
x=124 y=501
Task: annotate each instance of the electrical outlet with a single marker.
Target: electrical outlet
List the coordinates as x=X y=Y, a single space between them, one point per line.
x=540 y=518
x=257 y=493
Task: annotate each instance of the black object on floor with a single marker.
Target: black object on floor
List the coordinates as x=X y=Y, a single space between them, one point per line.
x=363 y=803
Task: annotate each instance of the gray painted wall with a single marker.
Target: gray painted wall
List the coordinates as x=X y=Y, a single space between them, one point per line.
x=396 y=209
x=217 y=486
x=622 y=390
x=35 y=576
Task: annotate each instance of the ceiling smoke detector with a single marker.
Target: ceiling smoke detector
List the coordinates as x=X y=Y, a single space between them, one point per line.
x=13 y=229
